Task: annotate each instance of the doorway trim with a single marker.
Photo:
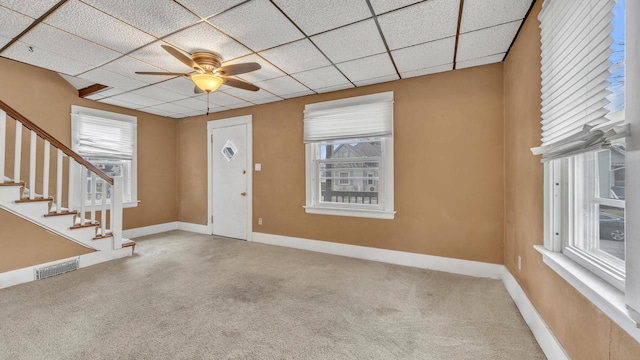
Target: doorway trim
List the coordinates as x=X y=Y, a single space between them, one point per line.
x=222 y=123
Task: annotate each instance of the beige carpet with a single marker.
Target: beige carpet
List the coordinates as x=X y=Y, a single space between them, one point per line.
x=190 y=296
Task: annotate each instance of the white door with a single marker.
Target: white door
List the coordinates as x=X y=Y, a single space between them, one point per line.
x=229 y=194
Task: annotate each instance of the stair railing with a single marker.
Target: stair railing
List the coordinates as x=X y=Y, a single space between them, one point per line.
x=77 y=171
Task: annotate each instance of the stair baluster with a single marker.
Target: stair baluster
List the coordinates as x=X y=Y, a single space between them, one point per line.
x=18 y=153
x=32 y=165
x=3 y=137
x=45 y=169
x=59 y=183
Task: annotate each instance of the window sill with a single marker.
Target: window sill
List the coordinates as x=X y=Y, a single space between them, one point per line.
x=374 y=214
x=128 y=204
x=603 y=295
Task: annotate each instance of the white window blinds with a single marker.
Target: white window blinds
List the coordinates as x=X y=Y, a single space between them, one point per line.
x=357 y=117
x=97 y=137
x=576 y=78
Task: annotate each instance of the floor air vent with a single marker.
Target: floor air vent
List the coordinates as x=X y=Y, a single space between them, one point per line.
x=57 y=269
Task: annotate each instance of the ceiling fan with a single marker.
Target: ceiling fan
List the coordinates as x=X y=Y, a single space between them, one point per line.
x=209 y=74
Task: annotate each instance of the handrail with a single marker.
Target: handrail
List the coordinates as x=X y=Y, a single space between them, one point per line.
x=43 y=134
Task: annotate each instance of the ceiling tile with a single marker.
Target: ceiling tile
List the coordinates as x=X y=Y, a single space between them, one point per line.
x=322 y=78
x=159 y=93
x=152 y=110
x=295 y=57
x=192 y=103
x=203 y=37
x=266 y=72
x=120 y=82
x=426 y=55
x=257 y=24
x=138 y=100
x=12 y=23
x=334 y=88
x=156 y=17
x=206 y=9
x=368 y=68
x=383 y=6
x=179 y=85
x=220 y=98
x=4 y=40
x=128 y=66
x=298 y=94
x=351 y=42
x=426 y=71
x=32 y=8
x=155 y=55
x=172 y=108
x=91 y=24
x=480 y=61
x=249 y=95
x=107 y=93
x=268 y=100
x=57 y=41
x=120 y=103
x=77 y=82
x=240 y=105
x=282 y=85
x=478 y=14
x=485 y=42
x=95 y=96
x=45 y=59
x=322 y=15
x=192 y=113
x=416 y=24
x=377 y=80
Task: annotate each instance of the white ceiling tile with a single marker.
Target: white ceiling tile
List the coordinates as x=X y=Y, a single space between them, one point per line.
x=118 y=102
x=172 y=107
x=94 y=96
x=416 y=24
x=91 y=24
x=368 y=68
x=383 y=6
x=217 y=108
x=32 y=8
x=4 y=40
x=159 y=93
x=155 y=55
x=240 y=105
x=297 y=94
x=321 y=78
x=334 y=88
x=138 y=100
x=192 y=113
x=77 y=82
x=206 y=9
x=117 y=81
x=351 y=42
x=62 y=43
x=478 y=14
x=322 y=15
x=179 y=85
x=257 y=24
x=220 y=98
x=268 y=100
x=192 y=103
x=249 y=95
x=282 y=85
x=12 y=23
x=296 y=56
x=128 y=66
x=426 y=71
x=480 y=61
x=203 y=37
x=108 y=93
x=152 y=110
x=266 y=72
x=156 y=17
x=485 y=42
x=377 y=80
x=43 y=58
x=426 y=55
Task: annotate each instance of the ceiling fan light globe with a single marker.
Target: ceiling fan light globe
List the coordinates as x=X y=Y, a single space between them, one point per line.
x=207 y=82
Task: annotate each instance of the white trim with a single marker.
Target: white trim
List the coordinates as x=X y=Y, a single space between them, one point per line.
x=438 y=263
x=27 y=274
x=545 y=338
x=195 y=228
x=365 y=213
x=149 y=230
x=222 y=123
x=603 y=295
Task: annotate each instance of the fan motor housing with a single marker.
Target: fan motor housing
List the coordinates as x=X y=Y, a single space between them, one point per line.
x=208 y=61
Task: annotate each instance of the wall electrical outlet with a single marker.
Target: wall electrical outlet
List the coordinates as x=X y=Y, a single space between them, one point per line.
x=259 y=221
x=519 y=262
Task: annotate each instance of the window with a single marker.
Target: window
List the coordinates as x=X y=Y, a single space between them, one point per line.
x=108 y=141
x=588 y=142
x=349 y=145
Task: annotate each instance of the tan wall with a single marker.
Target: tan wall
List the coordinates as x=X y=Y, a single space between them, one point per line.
x=584 y=331
x=45 y=98
x=448 y=168
x=26 y=244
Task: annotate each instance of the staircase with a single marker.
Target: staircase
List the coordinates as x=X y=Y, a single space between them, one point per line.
x=90 y=213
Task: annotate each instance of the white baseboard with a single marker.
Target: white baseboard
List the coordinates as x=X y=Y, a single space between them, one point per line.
x=196 y=228
x=28 y=274
x=547 y=341
x=456 y=266
x=149 y=230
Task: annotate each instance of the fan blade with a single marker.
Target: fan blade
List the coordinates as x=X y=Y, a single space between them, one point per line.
x=237 y=69
x=182 y=57
x=161 y=73
x=240 y=84
x=197 y=90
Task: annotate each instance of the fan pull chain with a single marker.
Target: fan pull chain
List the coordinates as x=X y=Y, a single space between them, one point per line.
x=208 y=92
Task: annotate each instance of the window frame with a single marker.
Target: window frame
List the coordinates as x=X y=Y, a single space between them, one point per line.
x=108 y=115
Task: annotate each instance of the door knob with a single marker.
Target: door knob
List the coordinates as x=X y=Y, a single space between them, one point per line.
x=243 y=193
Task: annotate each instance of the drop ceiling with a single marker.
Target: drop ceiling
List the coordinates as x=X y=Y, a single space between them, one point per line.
x=304 y=47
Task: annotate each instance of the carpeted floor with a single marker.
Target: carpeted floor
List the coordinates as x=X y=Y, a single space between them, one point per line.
x=190 y=296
